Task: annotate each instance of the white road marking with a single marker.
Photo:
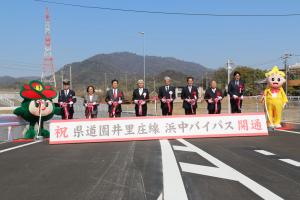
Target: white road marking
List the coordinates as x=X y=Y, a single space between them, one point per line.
x=266 y=153
x=224 y=171
x=172 y=180
x=287 y=131
x=291 y=162
x=19 y=146
x=181 y=148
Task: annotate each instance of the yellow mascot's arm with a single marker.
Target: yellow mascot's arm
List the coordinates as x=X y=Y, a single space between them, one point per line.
x=284 y=98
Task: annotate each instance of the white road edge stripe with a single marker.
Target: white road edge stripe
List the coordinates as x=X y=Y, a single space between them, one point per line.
x=173 y=187
x=291 y=162
x=224 y=171
x=287 y=131
x=19 y=146
x=266 y=153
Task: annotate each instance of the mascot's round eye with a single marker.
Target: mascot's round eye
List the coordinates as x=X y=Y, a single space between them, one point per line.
x=278 y=79
x=273 y=79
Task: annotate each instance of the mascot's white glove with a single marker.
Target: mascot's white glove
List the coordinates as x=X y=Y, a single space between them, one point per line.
x=71 y=102
x=242 y=97
x=94 y=103
x=234 y=96
x=120 y=102
x=284 y=105
x=210 y=101
x=220 y=98
x=110 y=102
x=136 y=101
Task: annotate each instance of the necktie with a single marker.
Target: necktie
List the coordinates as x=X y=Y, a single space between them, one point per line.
x=66 y=92
x=190 y=89
x=141 y=91
x=167 y=88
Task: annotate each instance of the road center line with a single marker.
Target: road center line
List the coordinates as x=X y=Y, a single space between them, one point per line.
x=19 y=146
x=266 y=153
x=291 y=162
x=224 y=171
x=181 y=148
x=172 y=180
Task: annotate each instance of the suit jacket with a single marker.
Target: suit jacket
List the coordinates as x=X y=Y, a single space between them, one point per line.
x=234 y=89
x=186 y=94
x=163 y=93
x=62 y=97
x=110 y=97
x=94 y=99
x=136 y=96
x=209 y=94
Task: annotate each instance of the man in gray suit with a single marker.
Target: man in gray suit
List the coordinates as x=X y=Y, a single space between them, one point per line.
x=114 y=99
x=91 y=103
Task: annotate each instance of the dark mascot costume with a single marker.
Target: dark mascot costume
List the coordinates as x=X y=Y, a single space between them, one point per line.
x=37 y=106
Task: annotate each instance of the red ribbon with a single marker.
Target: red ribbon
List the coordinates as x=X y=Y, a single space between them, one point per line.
x=113 y=109
x=275 y=90
x=168 y=102
x=241 y=88
x=140 y=104
x=90 y=108
x=65 y=105
x=239 y=103
x=216 y=105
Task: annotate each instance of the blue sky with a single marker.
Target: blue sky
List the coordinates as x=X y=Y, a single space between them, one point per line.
x=79 y=33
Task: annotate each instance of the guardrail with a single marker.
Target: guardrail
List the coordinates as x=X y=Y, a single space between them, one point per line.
x=10 y=122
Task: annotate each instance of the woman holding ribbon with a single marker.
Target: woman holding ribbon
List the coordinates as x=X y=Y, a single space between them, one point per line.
x=91 y=103
x=213 y=97
x=140 y=97
x=235 y=90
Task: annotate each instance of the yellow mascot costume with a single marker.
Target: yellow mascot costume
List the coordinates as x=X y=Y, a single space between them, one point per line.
x=274 y=97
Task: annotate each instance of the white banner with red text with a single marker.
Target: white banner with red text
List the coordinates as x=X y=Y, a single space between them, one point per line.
x=159 y=127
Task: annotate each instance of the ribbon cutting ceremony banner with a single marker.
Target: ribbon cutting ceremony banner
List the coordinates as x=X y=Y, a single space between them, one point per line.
x=157 y=127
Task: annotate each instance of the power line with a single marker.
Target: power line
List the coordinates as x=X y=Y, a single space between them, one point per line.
x=168 y=13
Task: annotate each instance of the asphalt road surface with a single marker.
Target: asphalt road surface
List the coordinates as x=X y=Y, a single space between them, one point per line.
x=266 y=167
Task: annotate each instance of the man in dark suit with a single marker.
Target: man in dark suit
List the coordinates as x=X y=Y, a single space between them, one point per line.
x=213 y=97
x=235 y=90
x=140 y=97
x=189 y=95
x=166 y=94
x=114 y=99
x=66 y=100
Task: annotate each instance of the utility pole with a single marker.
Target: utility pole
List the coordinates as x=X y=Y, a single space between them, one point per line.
x=105 y=82
x=71 y=76
x=229 y=68
x=285 y=58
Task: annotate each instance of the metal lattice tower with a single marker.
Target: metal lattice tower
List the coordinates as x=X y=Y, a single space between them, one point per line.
x=48 y=74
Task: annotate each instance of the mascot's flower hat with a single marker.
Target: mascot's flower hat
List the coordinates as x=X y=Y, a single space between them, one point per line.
x=274 y=71
x=37 y=90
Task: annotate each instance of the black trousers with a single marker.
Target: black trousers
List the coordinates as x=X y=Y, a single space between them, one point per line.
x=234 y=105
x=189 y=111
x=165 y=111
x=212 y=111
x=69 y=117
x=117 y=114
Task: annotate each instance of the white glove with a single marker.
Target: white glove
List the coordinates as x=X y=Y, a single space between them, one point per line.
x=210 y=101
x=136 y=101
x=234 y=96
x=284 y=105
x=120 y=102
x=60 y=103
x=85 y=104
x=220 y=98
x=242 y=97
x=163 y=100
x=94 y=103
x=110 y=102
x=188 y=100
x=71 y=102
